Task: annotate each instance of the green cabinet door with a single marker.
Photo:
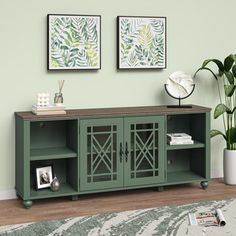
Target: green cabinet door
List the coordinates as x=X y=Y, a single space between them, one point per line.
x=101 y=163
x=144 y=150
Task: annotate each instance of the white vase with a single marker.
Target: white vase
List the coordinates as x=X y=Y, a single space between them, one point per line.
x=230 y=167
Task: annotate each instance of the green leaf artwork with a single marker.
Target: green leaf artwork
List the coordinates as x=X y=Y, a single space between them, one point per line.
x=141 y=42
x=73 y=42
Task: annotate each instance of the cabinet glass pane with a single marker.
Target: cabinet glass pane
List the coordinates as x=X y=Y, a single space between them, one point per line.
x=101 y=153
x=144 y=150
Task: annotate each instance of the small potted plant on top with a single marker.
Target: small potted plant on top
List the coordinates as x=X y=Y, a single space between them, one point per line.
x=225 y=78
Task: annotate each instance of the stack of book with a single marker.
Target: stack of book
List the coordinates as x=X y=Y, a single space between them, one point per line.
x=48 y=110
x=179 y=139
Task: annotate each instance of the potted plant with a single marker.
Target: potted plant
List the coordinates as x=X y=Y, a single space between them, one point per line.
x=226 y=83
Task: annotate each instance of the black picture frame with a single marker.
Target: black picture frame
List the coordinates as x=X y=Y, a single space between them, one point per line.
x=140 y=21
x=43 y=177
x=82 y=56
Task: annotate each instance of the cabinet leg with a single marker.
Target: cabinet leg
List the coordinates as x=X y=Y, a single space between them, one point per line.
x=204 y=184
x=27 y=204
x=160 y=189
x=75 y=198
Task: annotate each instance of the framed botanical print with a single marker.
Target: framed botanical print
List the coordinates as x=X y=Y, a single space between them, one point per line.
x=141 y=42
x=74 y=42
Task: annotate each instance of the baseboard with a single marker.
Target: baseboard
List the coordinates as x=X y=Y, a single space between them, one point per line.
x=7 y=194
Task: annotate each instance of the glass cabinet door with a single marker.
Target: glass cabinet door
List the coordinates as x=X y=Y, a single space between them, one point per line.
x=101 y=163
x=144 y=150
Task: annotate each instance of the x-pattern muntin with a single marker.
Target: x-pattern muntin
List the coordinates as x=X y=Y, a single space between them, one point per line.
x=101 y=153
x=144 y=149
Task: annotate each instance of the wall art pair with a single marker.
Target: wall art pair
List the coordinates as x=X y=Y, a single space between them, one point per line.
x=74 y=42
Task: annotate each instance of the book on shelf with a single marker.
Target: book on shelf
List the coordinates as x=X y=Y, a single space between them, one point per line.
x=48 y=108
x=41 y=113
x=180 y=142
x=179 y=139
x=208 y=218
x=178 y=136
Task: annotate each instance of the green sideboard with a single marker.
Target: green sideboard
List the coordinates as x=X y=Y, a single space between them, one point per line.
x=99 y=150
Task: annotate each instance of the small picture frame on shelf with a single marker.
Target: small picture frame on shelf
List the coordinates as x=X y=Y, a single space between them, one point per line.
x=44 y=177
x=74 y=42
x=141 y=42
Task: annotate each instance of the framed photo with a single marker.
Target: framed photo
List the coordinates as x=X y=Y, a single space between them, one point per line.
x=44 y=177
x=74 y=42
x=141 y=42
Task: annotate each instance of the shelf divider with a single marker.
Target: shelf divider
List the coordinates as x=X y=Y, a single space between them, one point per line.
x=65 y=190
x=196 y=144
x=51 y=153
x=176 y=177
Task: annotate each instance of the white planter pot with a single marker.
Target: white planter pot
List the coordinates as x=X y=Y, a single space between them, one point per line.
x=230 y=167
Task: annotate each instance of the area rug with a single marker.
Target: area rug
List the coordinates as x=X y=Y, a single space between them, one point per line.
x=163 y=221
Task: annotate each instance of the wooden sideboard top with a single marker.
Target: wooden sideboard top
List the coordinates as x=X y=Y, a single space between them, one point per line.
x=109 y=112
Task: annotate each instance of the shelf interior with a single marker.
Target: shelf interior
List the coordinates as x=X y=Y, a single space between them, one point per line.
x=52 y=139
x=190 y=161
x=66 y=171
x=192 y=124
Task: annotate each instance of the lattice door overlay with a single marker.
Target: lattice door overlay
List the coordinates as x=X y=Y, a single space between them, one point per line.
x=144 y=150
x=101 y=153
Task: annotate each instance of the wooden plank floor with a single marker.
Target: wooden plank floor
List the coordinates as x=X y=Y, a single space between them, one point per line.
x=12 y=212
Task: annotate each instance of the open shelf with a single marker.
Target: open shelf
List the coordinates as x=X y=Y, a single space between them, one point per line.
x=53 y=139
x=51 y=153
x=183 y=177
x=65 y=169
x=65 y=190
x=196 y=144
x=191 y=124
x=186 y=165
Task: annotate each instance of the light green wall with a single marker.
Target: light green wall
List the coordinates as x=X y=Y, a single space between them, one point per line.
x=196 y=29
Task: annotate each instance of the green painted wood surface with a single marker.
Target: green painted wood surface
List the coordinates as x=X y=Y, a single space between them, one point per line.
x=183 y=177
x=186 y=146
x=64 y=143
x=19 y=156
x=207 y=169
x=144 y=162
x=26 y=162
x=51 y=153
x=101 y=162
x=65 y=190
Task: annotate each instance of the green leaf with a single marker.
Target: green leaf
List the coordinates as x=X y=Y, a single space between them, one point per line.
x=228 y=62
x=122 y=46
x=232 y=111
x=234 y=70
x=229 y=90
x=145 y=36
x=215 y=132
x=234 y=58
x=220 y=73
x=220 y=109
x=231 y=135
x=65 y=47
x=205 y=68
x=217 y=62
x=229 y=76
